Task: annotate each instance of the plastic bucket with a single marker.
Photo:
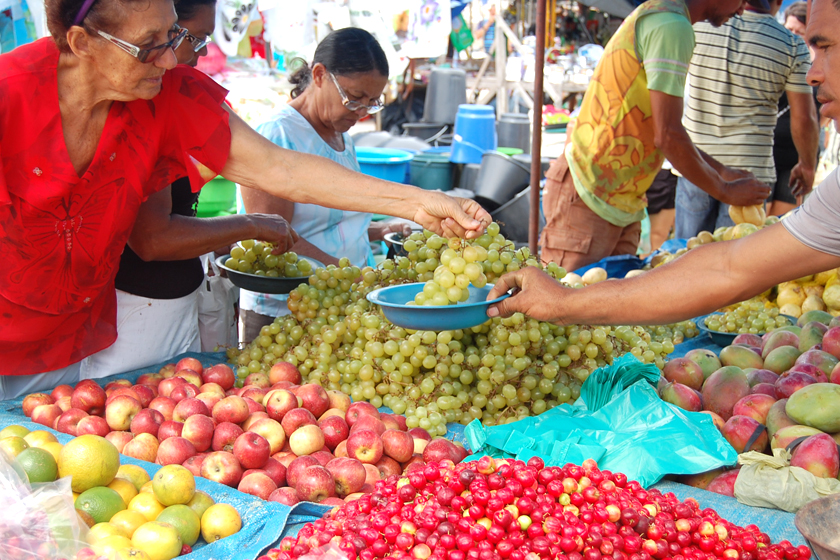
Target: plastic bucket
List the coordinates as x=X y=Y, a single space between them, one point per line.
x=432 y=171
x=499 y=179
x=510 y=151
x=447 y=90
x=425 y=131
x=514 y=130
x=469 y=174
x=525 y=159
x=515 y=215
x=475 y=133
x=384 y=163
x=217 y=198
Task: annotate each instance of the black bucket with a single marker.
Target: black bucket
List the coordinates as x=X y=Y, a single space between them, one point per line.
x=499 y=179
x=514 y=216
x=469 y=175
x=525 y=159
x=428 y=132
x=514 y=131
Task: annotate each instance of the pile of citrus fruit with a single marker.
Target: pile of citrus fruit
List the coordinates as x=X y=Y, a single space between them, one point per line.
x=130 y=514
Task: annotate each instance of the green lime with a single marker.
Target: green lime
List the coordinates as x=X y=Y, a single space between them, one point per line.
x=39 y=464
x=101 y=503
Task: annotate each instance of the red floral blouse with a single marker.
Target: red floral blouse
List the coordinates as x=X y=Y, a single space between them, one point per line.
x=61 y=235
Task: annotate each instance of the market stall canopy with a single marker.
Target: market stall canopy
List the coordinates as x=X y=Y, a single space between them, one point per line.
x=618 y=8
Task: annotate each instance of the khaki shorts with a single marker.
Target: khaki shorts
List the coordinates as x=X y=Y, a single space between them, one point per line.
x=574 y=235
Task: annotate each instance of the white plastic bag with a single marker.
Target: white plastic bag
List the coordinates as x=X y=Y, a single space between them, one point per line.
x=216 y=314
x=771 y=482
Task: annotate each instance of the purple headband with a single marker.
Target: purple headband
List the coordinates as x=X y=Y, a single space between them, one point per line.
x=80 y=17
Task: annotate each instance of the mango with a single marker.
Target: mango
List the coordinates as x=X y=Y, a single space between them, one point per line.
x=818 y=316
x=748 y=339
x=781 y=359
x=701 y=480
x=741 y=357
x=811 y=370
x=816 y=405
x=788 y=328
x=777 y=339
x=716 y=419
x=706 y=359
x=811 y=335
x=684 y=371
x=757 y=376
x=777 y=418
x=764 y=389
x=831 y=341
x=818 y=455
x=790 y=383
x=835 y=375
x=835 y=321
x=682 y=396
x=745 y=434
x=754 y=406
x=788 y=435
x=836 y=438
x=823 y=360
x=725 y=483
x=724 y=388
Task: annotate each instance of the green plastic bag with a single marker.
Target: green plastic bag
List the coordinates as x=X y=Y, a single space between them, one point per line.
x=461 y=35
x=625 y=430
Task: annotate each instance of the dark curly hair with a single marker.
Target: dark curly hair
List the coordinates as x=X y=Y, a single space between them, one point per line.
x=347 y=51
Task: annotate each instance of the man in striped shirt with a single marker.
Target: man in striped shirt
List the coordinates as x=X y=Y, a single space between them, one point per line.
x=738 y=73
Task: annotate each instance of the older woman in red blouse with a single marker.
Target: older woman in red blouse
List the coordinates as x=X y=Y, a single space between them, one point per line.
x=92 y=122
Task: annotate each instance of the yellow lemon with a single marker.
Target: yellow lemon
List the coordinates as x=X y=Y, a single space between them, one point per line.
x=103 y=530
x=146 y=504
x=90 y=460
x=54 y=448
x=13 y=445
x=173 y=484
x=124 y=488
x=111 y=545
x=39 y=437
x=134 y=474
x=200 y=502
x=147 y=488
x=128 y=521
x=20 y=431
x=159 y=540
x=220 y=521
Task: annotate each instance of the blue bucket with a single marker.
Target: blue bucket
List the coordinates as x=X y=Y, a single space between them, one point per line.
x=384 y=163
x=475 y=133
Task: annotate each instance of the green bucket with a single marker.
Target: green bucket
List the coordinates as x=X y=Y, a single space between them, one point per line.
x=510 y=152
x=217 y=198
x=432 y=171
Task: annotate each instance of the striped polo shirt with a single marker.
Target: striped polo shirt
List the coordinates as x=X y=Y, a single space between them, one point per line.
x=737 y=75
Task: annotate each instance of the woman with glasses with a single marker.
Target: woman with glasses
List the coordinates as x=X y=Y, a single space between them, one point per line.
x=93 y=121
x=345 y=81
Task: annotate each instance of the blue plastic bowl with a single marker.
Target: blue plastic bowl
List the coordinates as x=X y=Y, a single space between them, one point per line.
x=721 y=338
x=471 y=313
x=385 y=163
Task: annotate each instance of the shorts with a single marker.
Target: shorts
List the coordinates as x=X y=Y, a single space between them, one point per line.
x=662 y=192
x=780 y=190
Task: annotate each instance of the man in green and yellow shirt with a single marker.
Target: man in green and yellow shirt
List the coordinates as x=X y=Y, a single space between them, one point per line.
x=629 y=122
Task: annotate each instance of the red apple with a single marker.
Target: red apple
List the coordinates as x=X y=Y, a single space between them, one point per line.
x=170 y=428
x=420 y=446
x=68 y=422
x=366 y=446
x=189 y=363
x=285 y=458
x=306 y=440
x=388 y=467
x=278 y=402
x=415 y=462
x=253 y=406
x=341 y=449
x=365 y=422
x=61 y=391
x=145 y=394
x=168 y=385
x=296 y=418
x=225 y=436
x=183 y=391
x=332 y=412
x=187 y=408
x=164 y=405
x=222 y=467
x=257 y=484
x=258 y=379
x=358 y=409
x=209 y=398
x=117 y=384
x=252 y=419
x=231 y=409
x=284 y=371
x=167 y=371
x=191 y=376
x=212 y=388
x=440 y=449
x=398 y=445
x=34 y=400
x=121 y=390
x=175 y=451
x=199 y=430
x=388 y=421
x=335 y=430
x=120 y=412
x=399 y=419
x=143 y=447
x=89 y=396
x=323 y=456
x=284 y=495
x=147 y=421
x=64 y=403
x=296 y=468
x=315 y=484
x=150 y=379
x=372 y=474
x=272 y=431
x=95 y=425
x=349 y=475
x=119 y=439
x=276 y=471
x=315 y=399
x=251 y=450
x=193 y=464
x=339 y=400
x=420 y=433
x=221 y=374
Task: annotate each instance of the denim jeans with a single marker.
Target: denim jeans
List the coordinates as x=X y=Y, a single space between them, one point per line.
x=697 y=211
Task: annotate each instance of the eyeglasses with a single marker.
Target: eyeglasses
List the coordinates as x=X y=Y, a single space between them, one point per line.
x=354 y=106
x=197 y=43
x=176 y=36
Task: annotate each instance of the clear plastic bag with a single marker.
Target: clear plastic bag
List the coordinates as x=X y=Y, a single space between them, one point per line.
x=37 y=522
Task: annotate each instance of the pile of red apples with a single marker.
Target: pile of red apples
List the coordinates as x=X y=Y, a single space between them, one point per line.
x=273 y=438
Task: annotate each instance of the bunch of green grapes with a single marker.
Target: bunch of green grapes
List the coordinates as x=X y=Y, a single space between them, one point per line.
x=676 y=333
x=501 y=371
x=256 y=257
x=757 y=316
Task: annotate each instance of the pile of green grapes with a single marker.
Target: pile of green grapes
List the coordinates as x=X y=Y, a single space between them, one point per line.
x=501 y=371
x=757 y=316
x=256 y=257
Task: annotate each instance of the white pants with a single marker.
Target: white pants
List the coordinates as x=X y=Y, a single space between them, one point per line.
x=149 y=331
x=13 y=386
